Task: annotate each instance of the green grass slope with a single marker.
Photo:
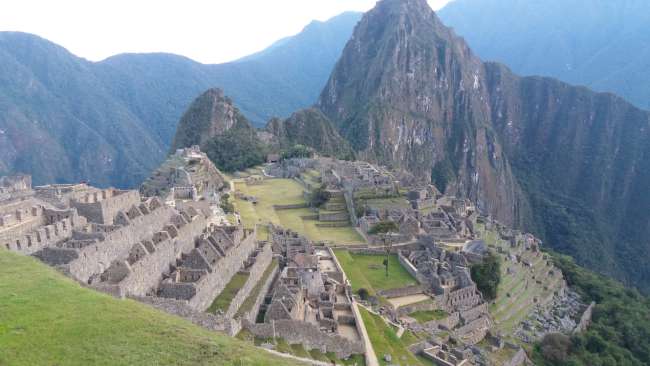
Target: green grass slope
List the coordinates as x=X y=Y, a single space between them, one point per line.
x=48 y=319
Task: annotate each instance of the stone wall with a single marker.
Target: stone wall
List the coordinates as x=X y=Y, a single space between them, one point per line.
x=181 y=309
x=19 y=219
x=585 y=319
x=307 y=334
x=102 y=207
x=251 y=315
x=211 y=285
x=410 y=268
x=474 y=331
x=44 y=236
x=145 y=274
x=95 y=258
x=262 y=262
x=418 y=306
x=401 y=291
x=333 y=216
x=290 y=207
x=349 y=202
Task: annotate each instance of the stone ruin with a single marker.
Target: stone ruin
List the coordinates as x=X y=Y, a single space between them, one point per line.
x=445 y=276
x=290 y=168
x=206 y=269
x=355 y=175
x=188 y=174
x=115 y=241
x=309 y=303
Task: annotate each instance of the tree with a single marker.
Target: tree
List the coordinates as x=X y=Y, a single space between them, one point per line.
x=297 y=151
x=363 y=294
x=487 y=275
x=555 y=347
x=237 y=149
x=319 y=196
x=226 y=205
x=384 y=227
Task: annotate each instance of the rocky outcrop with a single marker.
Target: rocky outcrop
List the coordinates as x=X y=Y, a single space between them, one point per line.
x=569 y=164
x=309 y=127
x=209 y=115
x=409 y=93
x=217 y=127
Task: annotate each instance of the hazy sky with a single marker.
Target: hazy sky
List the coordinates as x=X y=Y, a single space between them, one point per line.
x=209 y=31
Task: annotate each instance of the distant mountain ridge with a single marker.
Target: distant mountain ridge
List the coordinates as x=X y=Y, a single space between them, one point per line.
x=604 y=45
x=65 y=119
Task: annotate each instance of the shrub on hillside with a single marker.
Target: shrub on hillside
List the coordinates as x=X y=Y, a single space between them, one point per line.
x=487 y=276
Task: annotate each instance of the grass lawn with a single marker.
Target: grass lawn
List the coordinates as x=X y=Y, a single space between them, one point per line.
x=222 y=302
x=285 y=192
x=385 y=341
x=427 y=316
x=367 y=271
x=48 y=319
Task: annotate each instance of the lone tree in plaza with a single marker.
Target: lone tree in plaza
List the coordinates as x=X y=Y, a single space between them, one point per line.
x=386 y=230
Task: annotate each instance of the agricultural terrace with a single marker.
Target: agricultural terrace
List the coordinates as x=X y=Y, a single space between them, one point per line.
x=519 y=288
x=288 y=192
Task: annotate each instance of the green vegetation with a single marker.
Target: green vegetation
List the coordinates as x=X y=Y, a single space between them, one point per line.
x=226 y=205
x=319 y=196
x=237 y=149
x=248 y=304
x=286 y=192
x=517 y=290
x=385 y=341
x=429 y=315
x=48 y=319
x=297 y=151
x=222 y=302
x=487 y=276
x=619 y=334
x=443 y=174
x=368 y=271
x=384 y=227
x=363 y=293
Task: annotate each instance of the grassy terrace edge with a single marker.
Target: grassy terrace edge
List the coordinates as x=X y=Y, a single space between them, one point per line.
x=48 y=319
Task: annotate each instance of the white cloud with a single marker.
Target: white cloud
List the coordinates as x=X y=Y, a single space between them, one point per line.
x=209 y=31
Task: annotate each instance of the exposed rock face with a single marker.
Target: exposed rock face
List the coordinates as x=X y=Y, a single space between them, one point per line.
x=309 y=127
x=409 y=93
x=209 y=115
x=570 y=164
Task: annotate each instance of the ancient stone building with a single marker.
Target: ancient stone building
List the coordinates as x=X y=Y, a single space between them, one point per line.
x=205 y=271
x=188 y=174
x=309 y=303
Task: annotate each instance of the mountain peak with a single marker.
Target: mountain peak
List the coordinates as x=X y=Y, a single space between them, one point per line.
x=416 y=6
x=210 y=115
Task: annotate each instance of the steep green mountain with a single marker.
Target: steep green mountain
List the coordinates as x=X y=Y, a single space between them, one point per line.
x=311 y=128
x=602 y=44
x=59 y=123
x=210 y=115
x=571 y=165
x=223 y=133
x=65 y=119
